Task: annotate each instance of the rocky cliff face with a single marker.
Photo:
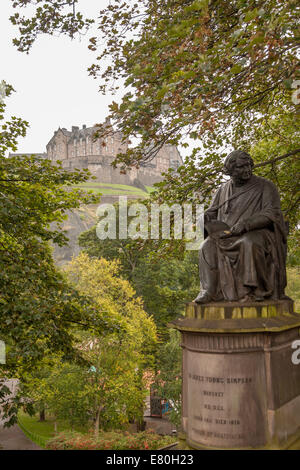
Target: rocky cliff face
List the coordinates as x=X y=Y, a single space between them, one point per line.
x=78 y=221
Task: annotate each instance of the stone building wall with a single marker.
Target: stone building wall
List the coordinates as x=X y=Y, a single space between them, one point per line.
x=77 y=149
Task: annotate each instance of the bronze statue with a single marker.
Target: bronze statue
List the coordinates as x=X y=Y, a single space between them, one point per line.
x=243 y=255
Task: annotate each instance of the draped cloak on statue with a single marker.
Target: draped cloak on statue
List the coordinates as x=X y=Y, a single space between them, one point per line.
x=253 y=262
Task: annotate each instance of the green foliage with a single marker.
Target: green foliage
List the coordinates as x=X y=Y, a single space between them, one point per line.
x=168 y=379
x=163 y=284
x=115 y=299
x=49 y=18
x=204 y=70
x=119 y=358
x=293 y=257
x=293 y=286
x=208 y=75
x=280 y=135
x=107 y=388
x=146 y=440
x=64 y=391
x=38 y=306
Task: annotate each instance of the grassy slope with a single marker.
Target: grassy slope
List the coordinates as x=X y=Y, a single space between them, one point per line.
x=45 y=429
x=114 y=189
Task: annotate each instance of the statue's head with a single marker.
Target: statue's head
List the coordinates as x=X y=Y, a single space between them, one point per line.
x=238 y=165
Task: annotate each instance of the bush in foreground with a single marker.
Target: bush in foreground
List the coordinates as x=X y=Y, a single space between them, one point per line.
x=109 y=441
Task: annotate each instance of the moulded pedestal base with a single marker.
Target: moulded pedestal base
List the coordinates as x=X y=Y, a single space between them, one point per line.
x=241 y=380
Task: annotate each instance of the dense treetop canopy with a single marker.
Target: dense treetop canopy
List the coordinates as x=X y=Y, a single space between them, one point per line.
x=210 y=75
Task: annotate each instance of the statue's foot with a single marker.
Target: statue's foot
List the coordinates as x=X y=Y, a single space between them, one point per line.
x=252 y=298
x=203 y=298
x=285 y=297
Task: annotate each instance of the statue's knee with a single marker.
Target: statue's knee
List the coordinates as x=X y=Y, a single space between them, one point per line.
x=246 y=239
x=249 y=240
x=208 y=253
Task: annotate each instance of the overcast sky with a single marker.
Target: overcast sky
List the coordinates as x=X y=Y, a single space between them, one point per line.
x=52 y=85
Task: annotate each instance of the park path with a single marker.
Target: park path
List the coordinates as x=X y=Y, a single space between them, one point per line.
x=14 y=439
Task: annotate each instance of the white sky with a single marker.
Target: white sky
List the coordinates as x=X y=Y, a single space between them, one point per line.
x=52 y=85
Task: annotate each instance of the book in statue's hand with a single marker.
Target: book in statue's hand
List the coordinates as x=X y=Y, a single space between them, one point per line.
x=216 y=228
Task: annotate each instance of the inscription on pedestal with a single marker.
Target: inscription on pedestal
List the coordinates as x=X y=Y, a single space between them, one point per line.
x=225 y=400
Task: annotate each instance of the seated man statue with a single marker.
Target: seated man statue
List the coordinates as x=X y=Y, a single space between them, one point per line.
x=243 y=257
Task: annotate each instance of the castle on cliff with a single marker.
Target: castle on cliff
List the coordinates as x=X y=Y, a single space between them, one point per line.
x=77 y=148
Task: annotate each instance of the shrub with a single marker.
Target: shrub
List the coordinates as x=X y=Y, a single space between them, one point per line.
x=109 y=441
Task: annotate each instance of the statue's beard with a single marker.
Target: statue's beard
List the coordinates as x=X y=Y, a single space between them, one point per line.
x=240 y=180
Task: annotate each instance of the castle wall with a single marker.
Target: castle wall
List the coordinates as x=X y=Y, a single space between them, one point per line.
x=79 y=149
x=148 y=178
x=108 y=174
x=57 y=148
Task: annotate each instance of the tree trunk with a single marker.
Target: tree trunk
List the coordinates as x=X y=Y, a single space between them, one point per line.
x=42 y=415
x=140 y=424
x=97 y=421
x=55 y=427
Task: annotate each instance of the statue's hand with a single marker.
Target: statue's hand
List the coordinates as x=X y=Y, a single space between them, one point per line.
x=225 y=234
x=239 y=228
x=207 y=218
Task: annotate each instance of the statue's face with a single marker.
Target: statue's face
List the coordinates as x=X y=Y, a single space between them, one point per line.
x=242 y=170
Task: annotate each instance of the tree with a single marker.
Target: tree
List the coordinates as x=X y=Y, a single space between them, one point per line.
x=169 y=379
x=108 y=390
x=213 y=72
x=163 y=282
x=38 y=306
x=119 y=359
x=62 y=390
x=165 y=285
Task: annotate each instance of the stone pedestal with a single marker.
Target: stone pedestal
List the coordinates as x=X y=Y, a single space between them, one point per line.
x=241 y=389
